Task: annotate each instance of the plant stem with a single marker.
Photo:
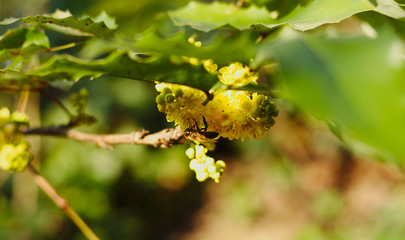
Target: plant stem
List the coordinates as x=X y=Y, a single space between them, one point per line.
x=56 y=101
x=165 y=138
x=62 y=203
x=22 y=103
x=62 y=47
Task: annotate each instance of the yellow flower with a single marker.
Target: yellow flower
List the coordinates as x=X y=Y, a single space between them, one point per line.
x=4 y=116
x=239 y=114
x=15 y=158
x=190 y=153
x=237 y=75
x=194 y=61
x=14 y=154
x=210 y=66
x=230 y=114
x=181 y=104
x=204 y=166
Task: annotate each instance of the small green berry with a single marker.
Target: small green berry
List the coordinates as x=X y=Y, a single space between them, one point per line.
x=166 y=90
x=178 y=93
x=84 y=93
x=161 y=108
x=19 y=118
x=169 y=98
x=160 y=99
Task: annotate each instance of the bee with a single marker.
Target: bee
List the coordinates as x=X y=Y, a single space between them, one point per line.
x=200 y=135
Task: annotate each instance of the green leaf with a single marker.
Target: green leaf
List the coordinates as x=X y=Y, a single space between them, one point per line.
x=64 y=22
x=106 y=19
x=356 y=82
x=98 y=47
x=22 y=42
x=219 y=47
x=283 y=7
x=70 y=69
x=208 y=16
x=14 y=81
x=390 y=8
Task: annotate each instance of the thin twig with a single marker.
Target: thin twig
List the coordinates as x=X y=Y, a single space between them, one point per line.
x=22 y=103
x=62 y=47
x=62 y=203
x=165 y=138
x=56 y=101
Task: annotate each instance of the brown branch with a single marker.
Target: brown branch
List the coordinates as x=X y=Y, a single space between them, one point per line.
x=165 y=138
x=62 y=203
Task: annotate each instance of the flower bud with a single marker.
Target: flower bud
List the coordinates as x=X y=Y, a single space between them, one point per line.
x=4 y=116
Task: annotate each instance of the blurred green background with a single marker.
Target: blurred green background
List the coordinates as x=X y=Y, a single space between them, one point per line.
x=299 y=182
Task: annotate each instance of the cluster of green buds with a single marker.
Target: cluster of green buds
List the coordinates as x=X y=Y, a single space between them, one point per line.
x=14 y=150
x=79 y=102
x=204 y=166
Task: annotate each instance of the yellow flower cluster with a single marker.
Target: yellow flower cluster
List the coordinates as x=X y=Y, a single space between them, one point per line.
x=205 y=167
x=237 y=75
x=181 y=104
x=210 y=66
x=239 y=114
x=14 y=154
x=15 y=157
x=232 y=114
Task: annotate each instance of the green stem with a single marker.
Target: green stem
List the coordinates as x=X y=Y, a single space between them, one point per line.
x=58 y=48
x=62 y=203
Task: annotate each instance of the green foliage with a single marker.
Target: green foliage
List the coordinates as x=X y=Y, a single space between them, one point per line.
x=68 y=69
x=353 y=81
x=322 y=74
x=102 y=25
x=22 y=42
x=350 y=77
x=15 y=80
x=217 y=46
x=206 y=16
